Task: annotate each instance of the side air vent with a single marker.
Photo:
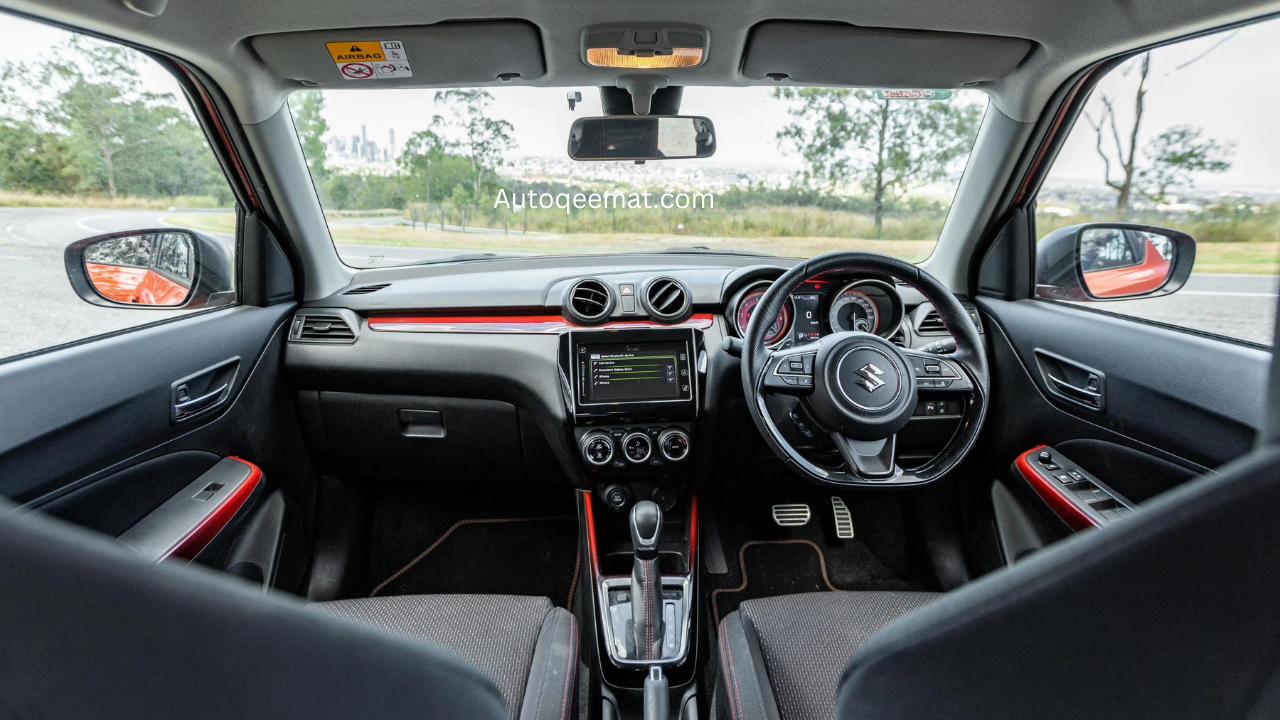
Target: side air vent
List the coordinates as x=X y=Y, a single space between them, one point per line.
x=932 y=324
x=321 y=328
x=366 y=289
x=589 y=301
x=666 y=299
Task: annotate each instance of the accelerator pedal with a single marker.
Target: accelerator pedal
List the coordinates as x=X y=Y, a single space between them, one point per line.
x=844 y=521
x=791 y=515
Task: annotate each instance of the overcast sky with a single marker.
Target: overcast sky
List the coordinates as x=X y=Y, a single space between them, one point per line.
x=1232 y=92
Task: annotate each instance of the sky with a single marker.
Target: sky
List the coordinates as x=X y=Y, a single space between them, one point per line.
x=1232 y=92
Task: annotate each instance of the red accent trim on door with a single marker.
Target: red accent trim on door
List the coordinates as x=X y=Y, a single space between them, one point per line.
x=204 y=533
x=1063 y=506
x=591 y=534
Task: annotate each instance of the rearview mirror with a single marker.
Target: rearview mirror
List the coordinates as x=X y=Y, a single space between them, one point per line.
x=641 y=137
x=1112 y=261
x=167 y=268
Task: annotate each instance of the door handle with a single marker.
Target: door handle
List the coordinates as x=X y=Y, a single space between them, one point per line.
x=195 y=405
x=1069 y=380
x=202 y=392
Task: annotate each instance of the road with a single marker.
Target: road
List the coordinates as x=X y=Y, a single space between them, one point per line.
x=40 y=309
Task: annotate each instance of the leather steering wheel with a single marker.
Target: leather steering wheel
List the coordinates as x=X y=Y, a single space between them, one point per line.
x=860 y=389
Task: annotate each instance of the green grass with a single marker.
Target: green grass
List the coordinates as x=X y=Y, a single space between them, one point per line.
x=1211 y=257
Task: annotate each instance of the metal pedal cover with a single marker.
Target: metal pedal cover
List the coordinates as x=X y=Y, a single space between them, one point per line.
x=791 y=515
x=844 y=521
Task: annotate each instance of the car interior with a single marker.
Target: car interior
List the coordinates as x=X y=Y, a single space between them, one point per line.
x=681 y=484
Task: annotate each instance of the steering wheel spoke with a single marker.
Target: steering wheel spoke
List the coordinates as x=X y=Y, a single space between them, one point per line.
x=869 y=459
x=790 y=372
x=938 y=372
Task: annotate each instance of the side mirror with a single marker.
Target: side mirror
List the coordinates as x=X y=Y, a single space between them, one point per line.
x=165 y=269
x=1094 y=262
x=641 y=137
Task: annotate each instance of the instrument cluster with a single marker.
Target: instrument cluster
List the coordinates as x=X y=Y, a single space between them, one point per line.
x=822 y=306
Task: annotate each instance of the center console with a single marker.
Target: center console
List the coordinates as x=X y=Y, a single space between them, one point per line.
x=634 y=396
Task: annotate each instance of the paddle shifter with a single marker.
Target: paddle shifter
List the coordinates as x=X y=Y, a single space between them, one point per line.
x=646 y=581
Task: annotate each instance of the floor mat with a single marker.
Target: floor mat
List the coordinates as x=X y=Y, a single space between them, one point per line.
x=509 y=556
x=787 y=567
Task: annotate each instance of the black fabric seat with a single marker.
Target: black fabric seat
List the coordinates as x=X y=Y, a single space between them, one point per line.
x=1168 y=614
x=524 y=645
x=88 y=629
x=781 y=657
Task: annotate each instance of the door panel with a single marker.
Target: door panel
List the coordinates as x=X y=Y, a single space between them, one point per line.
x=74 y=412
x=1184 y=398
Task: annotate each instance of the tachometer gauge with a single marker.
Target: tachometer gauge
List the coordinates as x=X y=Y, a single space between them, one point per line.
x=747 y=306
x=854 y=310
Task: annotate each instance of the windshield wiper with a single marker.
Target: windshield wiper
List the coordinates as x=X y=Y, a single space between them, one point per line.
x=704 y=250
x=466 y=257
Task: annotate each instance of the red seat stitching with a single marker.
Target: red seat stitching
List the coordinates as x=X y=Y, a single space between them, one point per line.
x=733 y=673
x=571 y=670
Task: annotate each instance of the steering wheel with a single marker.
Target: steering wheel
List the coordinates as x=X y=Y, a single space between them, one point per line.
x=860 y=389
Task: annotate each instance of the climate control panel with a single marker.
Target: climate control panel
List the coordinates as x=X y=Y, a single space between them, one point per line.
x=635 y=446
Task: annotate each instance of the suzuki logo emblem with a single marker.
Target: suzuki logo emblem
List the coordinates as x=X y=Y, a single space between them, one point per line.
x=870 y=377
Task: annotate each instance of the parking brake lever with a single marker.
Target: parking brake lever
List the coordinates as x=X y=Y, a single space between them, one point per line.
x=657 y=701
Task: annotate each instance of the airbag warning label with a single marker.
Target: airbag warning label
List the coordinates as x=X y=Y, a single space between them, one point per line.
x=370 y=60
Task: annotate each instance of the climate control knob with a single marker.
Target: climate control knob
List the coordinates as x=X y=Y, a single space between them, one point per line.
x=673 y=443
x=597 y=448
x=637 y=447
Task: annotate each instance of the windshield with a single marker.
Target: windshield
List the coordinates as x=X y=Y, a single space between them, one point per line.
x=412 y=176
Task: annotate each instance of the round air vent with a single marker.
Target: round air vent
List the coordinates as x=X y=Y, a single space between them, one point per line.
x=589 y=301
x=666 y=299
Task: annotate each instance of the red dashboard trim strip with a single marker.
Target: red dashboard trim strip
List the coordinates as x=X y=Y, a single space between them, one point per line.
x=515 y=323
x=1057 y=500
x=204 y=533
x=693 y=534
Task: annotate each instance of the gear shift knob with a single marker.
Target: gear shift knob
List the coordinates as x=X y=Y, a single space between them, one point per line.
x=646 y=529
x=646 y=581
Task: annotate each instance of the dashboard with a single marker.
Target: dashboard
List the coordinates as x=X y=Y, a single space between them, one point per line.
x=611 y=372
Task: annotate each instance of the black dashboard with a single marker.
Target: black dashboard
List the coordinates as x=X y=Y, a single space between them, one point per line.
x=598 y=369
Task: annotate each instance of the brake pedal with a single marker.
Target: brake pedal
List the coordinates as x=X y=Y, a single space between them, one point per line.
x=791 y=515
x=844 y=521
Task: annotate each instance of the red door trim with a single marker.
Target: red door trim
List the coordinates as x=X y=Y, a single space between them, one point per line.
x=1057 y=500
x=204 y=533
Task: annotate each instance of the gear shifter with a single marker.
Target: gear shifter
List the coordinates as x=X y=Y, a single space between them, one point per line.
x=646 y=581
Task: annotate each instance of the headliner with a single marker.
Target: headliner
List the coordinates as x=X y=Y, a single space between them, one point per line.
x=1068 y=34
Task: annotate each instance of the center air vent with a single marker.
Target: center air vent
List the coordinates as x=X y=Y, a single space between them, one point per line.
x=366 y=289
x=322 y=328
x=589 y=301
x=666 y=299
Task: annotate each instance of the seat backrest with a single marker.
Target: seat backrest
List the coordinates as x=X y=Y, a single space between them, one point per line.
x=1173 y=613
x=89 y=630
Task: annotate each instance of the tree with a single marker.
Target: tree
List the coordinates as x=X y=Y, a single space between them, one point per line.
x=1172 y=156
x=468 y=130
x=307 y=107
x=1175 y=154
x=887 y=147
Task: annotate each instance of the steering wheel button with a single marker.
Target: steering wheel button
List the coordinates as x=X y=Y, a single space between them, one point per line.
x=795 y=365
x=807 y=363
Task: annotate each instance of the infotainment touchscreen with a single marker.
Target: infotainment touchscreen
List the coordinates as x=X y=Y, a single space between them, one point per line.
x=633 y=372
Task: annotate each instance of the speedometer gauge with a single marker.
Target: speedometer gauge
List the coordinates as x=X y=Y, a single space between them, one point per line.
x=854 y=310
x=747 y=306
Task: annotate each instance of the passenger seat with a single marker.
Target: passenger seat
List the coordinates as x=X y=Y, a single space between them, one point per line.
x=525 y=645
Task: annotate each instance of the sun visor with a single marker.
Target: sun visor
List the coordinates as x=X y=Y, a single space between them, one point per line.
x=463 y=53
x=814 y=53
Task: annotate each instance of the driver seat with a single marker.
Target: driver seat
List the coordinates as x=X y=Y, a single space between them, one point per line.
x=1169 y=614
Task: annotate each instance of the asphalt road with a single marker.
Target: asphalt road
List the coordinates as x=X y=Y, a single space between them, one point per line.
x=39 y=308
